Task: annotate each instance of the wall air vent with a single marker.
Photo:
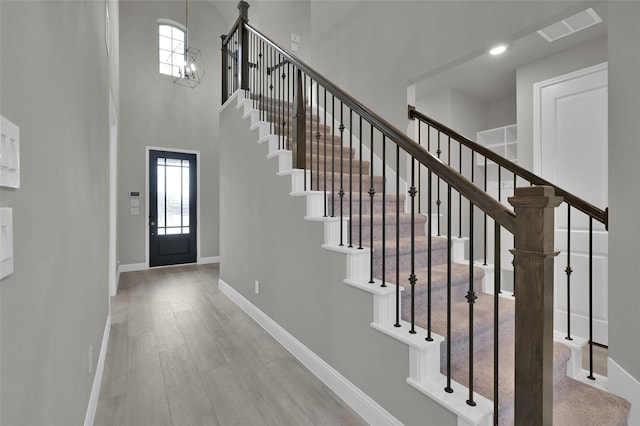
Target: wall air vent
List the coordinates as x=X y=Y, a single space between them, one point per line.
x=570 y=25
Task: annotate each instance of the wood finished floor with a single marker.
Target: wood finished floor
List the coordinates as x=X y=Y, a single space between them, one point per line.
x=181 y=353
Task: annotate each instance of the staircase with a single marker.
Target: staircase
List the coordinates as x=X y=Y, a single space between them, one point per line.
x=437 y=296
x=574 y=402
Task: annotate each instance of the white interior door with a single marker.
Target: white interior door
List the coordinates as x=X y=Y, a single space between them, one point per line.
x=570 y=150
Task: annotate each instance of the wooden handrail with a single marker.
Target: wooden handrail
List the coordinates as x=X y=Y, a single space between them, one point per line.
x=571 y=199
x=490 y=206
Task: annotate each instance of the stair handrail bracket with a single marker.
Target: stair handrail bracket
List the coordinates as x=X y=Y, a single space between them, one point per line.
x=533 y=257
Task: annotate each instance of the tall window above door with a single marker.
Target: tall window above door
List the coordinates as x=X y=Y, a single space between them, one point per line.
x=171 y=47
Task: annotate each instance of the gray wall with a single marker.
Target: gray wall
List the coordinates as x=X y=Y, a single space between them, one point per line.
x=278 y=19
x=263 y=232
x=587 y=54
x=155 y=112
x=501 y=112
x=624 y=179
x=55 y=80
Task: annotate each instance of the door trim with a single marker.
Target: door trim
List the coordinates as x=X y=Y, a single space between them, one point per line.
x=146 y=192
x=537 y=106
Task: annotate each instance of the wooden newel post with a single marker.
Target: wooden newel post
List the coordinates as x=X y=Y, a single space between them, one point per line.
x=299 y=146
x=533 y=254
x=243 y=47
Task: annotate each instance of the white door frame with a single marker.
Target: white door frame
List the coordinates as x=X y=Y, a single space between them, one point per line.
x=537 y=107
x=146 y=187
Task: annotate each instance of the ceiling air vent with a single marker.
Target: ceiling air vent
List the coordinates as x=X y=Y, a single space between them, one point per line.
x=570 y=25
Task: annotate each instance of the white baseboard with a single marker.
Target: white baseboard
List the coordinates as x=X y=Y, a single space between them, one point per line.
x=97 y=379
x=360 y=402
x=625 y=385
x=131 y=267
x=207 y=260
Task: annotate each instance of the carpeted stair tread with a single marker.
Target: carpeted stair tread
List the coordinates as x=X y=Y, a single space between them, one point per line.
x=379 y=219
x=356 y=195
x=578 y=404
x=333 y=184
x=344 y=151
x=403 y=244
x=459 y=276
x=483 y=316
x=316 y=164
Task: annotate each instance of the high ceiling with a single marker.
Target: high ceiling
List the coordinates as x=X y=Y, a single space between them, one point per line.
x=488 y=78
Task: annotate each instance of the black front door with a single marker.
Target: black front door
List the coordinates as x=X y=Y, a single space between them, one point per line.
x=172 y=208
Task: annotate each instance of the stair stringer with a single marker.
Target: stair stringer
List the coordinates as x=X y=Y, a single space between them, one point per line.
x=424 y=356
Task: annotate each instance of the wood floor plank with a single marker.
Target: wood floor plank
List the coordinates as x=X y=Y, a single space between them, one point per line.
x=275 y=405
x=120 y=307
x=202 y=345
x=188 y=401
x=165 y=327
x=146 y=402
x=229 y=398
x=111 y=411
x=114 y=376
x=321 y=405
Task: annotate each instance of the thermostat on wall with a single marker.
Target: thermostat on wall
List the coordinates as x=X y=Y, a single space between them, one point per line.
x=134 y=194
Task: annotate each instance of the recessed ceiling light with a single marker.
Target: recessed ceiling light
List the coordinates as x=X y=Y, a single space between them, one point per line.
x=498 y=50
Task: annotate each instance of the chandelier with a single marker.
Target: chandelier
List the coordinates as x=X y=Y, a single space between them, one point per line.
x=191 y=72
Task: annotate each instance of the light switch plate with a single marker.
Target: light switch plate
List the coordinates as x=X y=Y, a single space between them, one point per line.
x=9 y=154
x=6 y=241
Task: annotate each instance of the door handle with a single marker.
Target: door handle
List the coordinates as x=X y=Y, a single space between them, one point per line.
x=152 y=224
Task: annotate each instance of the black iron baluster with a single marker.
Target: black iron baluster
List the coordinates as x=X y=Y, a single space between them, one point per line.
x=341 y=171
x=350 y=178
x=289 y=104
x=591 y=376
x=384 y=205
x=485 y=215
x=317 y=135
x=372 y=193
x=304 y=100
x=261 y=77
x=325 y=152
x=283 y=116
x=568 y=271
x=429 y=237
x=271 y=104
x=499 y=183
x=360 y=199
x=310 y=130
x=412 y=277
x=397 y=324
x=419 y=174
x=438 y=202
x=496 y=316
x=459 y=193
x=471 y=299
x=448 y=388
x=499 y=199
x=333 y=159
